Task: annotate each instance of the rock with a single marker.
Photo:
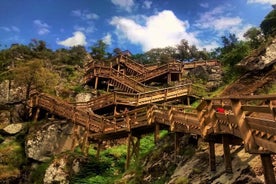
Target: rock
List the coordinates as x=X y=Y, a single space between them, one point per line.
x=5 y=117
x=63 y=168
x=83 y=97
x=57 y=173
x=9 y=92
x=49 y=139
x=13 y=128
x=261 y=59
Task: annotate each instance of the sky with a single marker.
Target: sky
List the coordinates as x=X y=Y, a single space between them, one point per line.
x=134 y=25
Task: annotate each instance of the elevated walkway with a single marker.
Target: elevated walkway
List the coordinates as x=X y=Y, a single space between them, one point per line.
x=231 y=120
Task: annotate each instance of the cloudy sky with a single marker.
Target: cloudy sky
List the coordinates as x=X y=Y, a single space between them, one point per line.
x=136 y=25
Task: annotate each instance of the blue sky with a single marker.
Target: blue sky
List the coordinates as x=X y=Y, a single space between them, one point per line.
x=136 y=25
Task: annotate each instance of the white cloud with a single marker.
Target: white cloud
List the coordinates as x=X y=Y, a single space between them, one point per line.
x=210 y=46
x=215 y=21
x=107 y=39
x=160 y=30
x=147 y=4
x=204 y=5
x=86 y=29
x=262 y=1
x=124 y=4
x=15 y=29
x=85 y=15
x=78 y=38
x=42 y=27
x=10 y=29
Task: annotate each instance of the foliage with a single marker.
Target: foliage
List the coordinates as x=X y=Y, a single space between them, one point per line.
x=98 y=50
x=268 y=25
x=181 y=52
x=37 y=174
x=254 y=36
x=33 y=76
x=182 y=180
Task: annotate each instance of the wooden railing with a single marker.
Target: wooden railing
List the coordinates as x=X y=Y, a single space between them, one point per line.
x=242 y=117
x=139 y=68
x=120 y=78
x=136 y=99
x=170 y=67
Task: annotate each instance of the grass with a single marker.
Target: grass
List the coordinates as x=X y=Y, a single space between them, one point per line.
x=11 y=158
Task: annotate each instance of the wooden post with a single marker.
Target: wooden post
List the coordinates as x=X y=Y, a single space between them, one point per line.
x=212 y=156
x=128 y=151
x=249 y=142
x=227 y=155
x=176 y=144
x=156 y=133
x=75 y=136
x=36 y=114
x=136 y=148
x=107 y=89
x=96 y=82
x=98 y=150
x=268 y=169
x=169 y=78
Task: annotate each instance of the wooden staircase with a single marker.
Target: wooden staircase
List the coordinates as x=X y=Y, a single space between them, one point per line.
x=137 y=99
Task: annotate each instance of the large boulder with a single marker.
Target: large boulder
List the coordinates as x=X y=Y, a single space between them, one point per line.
x=46 y=140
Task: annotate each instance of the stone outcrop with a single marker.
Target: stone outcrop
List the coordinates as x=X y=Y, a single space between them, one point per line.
x=10 y=93
x=210 y=75
x=61 y=169
x=48 y=139
x=260 y=59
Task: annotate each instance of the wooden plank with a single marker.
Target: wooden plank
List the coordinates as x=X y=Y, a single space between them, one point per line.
x=269 y=145
x=268 y=126
x=253 y=108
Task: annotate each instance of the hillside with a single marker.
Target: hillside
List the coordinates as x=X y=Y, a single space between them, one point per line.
x=259 y=76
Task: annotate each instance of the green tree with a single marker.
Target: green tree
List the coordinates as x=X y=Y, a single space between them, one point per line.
x=34 y=76
x=254 y=36
x=99 y=50
x=268 y=25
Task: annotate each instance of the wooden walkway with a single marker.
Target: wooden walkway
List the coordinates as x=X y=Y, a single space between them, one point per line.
x=233 y=120
x=249 y=121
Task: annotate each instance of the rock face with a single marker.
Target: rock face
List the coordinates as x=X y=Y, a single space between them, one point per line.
x=61 y=169
x=210 y=75
x=56 y=173
x=9 y=92
x=260 y=59
x=48 y=139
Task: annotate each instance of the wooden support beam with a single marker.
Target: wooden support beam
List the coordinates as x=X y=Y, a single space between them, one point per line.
x=99 y=144
x=75 y=136
x=249 y=142
x=227 y=154
x=212 y=156
x=36 y=114
x=156 y=133
x=176 y=144
x=96 y=82
x=268 y=169
x=128 y=156
x=169 y=78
